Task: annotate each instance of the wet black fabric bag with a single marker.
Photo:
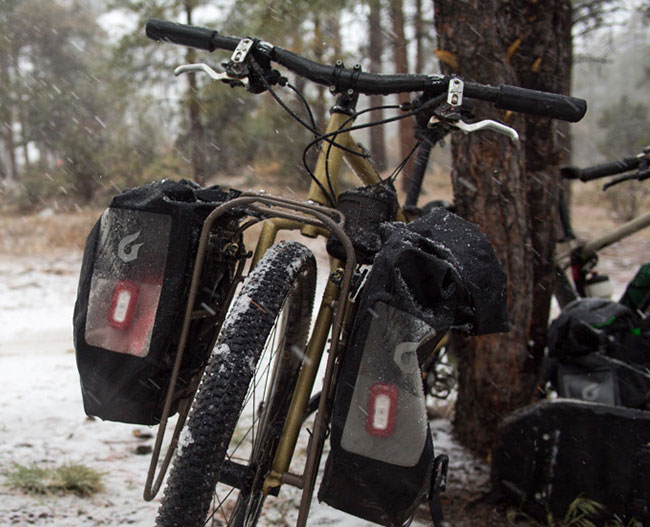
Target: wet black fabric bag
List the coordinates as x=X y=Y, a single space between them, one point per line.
x=550 y=453
x=423 y=282
x=132 y=294
x=597 y=353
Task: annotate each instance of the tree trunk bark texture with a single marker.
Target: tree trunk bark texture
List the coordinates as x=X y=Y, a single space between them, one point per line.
x=542 y=61
x=197 y=132
x=375 y=52
x=418 y=25
x=509 y=192
x=320 y=113
x=7 y=119
x=406 y=137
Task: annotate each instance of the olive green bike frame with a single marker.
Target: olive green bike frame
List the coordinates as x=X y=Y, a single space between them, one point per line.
x=280 y=469
x=312 y=218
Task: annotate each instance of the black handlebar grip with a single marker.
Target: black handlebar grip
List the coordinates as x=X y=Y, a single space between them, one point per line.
x=609 y=169
x=570 y=172
x=536 y=102
x=181 y=34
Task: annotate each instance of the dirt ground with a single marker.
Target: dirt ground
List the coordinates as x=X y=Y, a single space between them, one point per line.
x=42 y=418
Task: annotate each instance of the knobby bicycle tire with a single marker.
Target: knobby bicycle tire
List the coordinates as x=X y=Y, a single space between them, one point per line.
x=219 y=427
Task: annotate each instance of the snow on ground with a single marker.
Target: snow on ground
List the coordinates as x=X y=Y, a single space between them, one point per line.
x=40 y=403
x=42 y=419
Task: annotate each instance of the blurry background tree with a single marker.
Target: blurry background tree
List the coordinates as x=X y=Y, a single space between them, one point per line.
x=64 y=122
x=375 y=53
x=626 y=128
x=401 y=62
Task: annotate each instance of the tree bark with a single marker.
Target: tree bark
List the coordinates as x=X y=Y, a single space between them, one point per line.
x=194 y=111
x=7 y=119
x=542 y=61
x=400 y=57
x=375 y=52
x=320 y=114
x=489 y=190
x=510 y=192
x=419 y=37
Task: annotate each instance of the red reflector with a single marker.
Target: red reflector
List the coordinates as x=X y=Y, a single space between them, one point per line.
x=125 y=298
x=382 y=409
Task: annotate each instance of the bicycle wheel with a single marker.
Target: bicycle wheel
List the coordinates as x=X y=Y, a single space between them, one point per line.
x=236 y=419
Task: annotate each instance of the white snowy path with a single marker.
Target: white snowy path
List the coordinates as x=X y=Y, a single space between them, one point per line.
x=42 y=419
x=41 y=414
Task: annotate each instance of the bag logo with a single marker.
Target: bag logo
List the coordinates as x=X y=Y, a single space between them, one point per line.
x=127 y=252
x=591 y=392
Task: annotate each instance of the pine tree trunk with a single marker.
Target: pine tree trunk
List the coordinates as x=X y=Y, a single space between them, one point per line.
x=542 y=61
x=194 y=110
x=406 y=137
x=7 y=120
x=375 y=52
x=510 y=192
x=419 y=37
x=320 y=114
x=333 y=34
x=489 y=190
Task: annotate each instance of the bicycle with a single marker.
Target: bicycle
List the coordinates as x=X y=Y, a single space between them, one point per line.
x=241 y=432
x=597 y=347
x=582 y=258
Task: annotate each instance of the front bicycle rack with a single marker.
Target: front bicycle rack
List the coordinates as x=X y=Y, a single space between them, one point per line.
x=305 y=213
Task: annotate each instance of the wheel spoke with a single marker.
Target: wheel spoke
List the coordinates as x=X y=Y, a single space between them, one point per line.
x=269 y=354
x=220 y=505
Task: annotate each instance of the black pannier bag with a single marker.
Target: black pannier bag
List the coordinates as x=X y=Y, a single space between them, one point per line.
x=132 y=295
x=550 y=453
x=597 y=353
x=424 y=281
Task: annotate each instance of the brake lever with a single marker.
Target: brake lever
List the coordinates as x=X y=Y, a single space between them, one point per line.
x=619 y=179
x=486 y=124
x=455 y=101
x=223 y=77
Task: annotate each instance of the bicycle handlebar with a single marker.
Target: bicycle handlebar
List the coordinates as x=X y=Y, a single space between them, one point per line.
x=190 y=36
x=602 y=170
x=342 y=79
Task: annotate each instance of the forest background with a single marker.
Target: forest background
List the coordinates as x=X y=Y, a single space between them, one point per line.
x=89 y=106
